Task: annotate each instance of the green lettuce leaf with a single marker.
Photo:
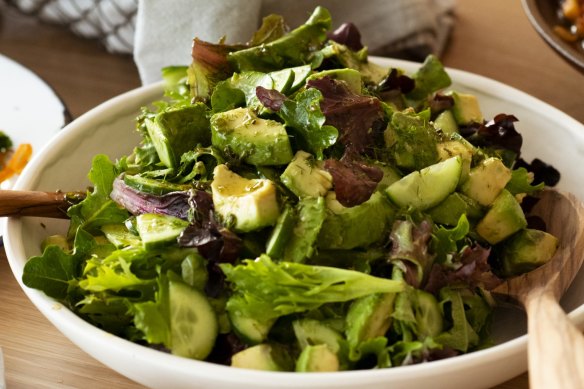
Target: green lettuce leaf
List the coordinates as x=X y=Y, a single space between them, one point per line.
x=266 y=290
x=304 y=116
x=97 y=209
x=521 y=181
x=54 y=272
x=294 y=48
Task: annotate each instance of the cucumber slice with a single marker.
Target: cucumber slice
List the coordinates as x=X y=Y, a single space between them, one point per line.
x=152 y=186
x=248 y=329
x=158 y=230
x=193 y=323
x=428 y=187
x=312 y=332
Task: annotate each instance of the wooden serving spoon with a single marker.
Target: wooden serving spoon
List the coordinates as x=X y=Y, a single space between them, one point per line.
x=555 y=345
x=33 y=203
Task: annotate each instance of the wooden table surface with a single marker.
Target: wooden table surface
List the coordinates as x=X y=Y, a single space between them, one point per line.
x=491 y=38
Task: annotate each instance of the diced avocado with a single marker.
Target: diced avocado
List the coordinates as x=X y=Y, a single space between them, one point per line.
x=179 y=130
x=445 y=121
x=304 y=178
x=310 y=332
x=450 y=148
x=466 y=109
x=317 y=358
x=257 y=141
x=193 y=322
x=527 y=250
x=248 y=329
x=453 y=207
x=411 y=141
x=119 y=235
x=159 y=230
x=262 y=357
x=311 y=213
x=152 y=186
x=359 y=226
x=390 y=175
x=504 y=218
x=428 y=187
x=251 y=203
x=56 y=240
x=486 y=180
x=281 y=233
x=369 y=317
x=351 y=77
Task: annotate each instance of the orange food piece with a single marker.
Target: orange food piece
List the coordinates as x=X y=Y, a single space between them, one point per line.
x=17 y=162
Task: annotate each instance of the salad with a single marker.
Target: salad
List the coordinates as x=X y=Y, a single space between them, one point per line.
x=292 y=206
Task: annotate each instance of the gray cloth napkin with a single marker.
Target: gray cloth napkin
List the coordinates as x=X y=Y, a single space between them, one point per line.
x=164 y=30
x=160 y=33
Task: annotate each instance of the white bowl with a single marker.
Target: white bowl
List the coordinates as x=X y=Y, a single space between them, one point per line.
x=548 y=134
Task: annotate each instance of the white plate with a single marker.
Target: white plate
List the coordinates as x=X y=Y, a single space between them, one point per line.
x=548 y=134
x=30 y=111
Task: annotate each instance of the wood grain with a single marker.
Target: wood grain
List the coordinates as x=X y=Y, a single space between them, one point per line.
x=33 y=203
x=492 y=38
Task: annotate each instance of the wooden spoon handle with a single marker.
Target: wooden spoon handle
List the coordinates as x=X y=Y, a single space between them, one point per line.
x=555 y=345
x=32 y=203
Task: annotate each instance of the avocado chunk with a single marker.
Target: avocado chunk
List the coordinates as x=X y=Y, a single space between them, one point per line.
x=352 y=227
x=369 y=317
x=310 y=332
x=351 y=77
x=252 y=204
x=304 y=178
x=411 y=141
x=486 y=180
x=504 y=218
x=317 y=358
x=56 y=240
x=428 y=187
x=446 y=123
x=527 y=250
x=457 y=146
x=466 y=109
x=177 y=131
x=257 y=141
x=453 y=207
x=390 y=175
x=263 y=356
x=159 y=230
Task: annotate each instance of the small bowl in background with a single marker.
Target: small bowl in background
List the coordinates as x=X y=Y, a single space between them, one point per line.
x=544 y=15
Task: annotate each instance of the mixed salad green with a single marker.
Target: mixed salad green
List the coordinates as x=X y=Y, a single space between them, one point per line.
x=293 y=206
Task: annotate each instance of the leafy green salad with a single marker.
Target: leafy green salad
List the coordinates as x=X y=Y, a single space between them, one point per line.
x=293 y=206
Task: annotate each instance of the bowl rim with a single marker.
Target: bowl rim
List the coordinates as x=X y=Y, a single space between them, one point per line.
x=543 y=28
x=74 y=327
